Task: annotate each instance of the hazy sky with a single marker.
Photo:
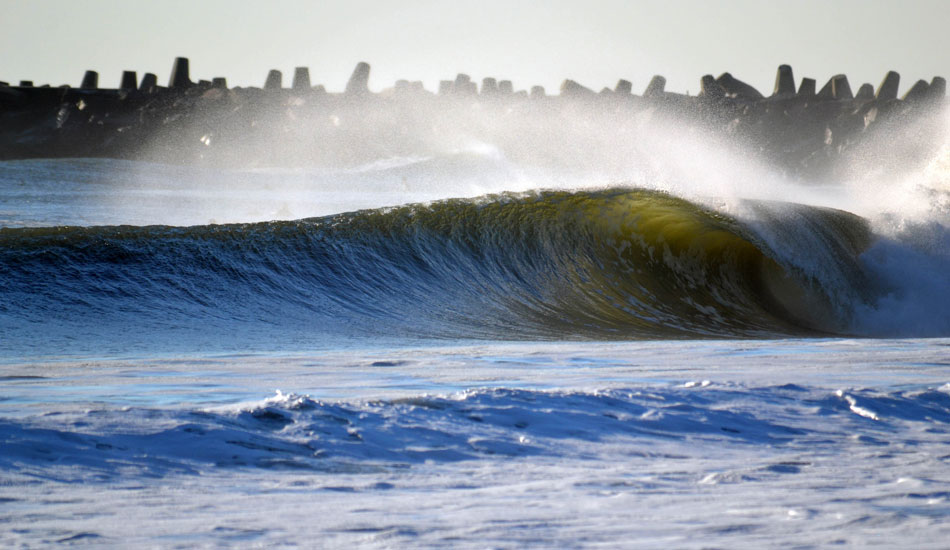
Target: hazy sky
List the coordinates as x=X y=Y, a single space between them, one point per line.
x=594 y=42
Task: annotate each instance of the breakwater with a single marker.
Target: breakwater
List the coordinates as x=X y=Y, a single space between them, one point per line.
x=799 y=128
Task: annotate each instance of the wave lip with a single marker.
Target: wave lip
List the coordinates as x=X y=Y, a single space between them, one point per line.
x=614 y=264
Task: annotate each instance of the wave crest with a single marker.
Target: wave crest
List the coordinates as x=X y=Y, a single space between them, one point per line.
x=615 y=263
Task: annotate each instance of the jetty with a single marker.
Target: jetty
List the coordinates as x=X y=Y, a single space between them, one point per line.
x=798 y=126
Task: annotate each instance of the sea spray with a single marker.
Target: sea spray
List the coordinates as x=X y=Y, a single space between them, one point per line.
x=449 y=269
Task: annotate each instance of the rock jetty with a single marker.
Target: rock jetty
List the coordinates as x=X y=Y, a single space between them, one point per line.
x=799 y=126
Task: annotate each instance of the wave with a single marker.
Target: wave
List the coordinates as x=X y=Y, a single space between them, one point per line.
x=606 y=264
x=290 y=431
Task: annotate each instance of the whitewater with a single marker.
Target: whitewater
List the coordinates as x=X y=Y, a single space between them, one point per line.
x=487 y=344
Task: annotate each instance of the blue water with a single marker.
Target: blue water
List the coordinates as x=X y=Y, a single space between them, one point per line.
x=537 y=369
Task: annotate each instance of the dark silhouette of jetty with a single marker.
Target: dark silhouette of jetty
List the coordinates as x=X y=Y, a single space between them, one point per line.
x=799 y=127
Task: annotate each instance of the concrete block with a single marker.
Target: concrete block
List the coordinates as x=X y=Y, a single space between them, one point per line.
x=26 y=83
x=489 y=86
x=737 y=88
x=842 y=89
x=505 y=87
x=887 y=89
x=537 y=92
x=784 y=81
x=917 y=92
x=446 y=87
x=219 y=82
x=301 y=79
x=623 y=87
x=710 y=89
x=275 y=80
x=836 y=88
x=358 y=84
x=865 y=92
x=464 y=85
x=129 y=81
x=149 y=81
x=807 y=88
x=569 y=88
x=180 y=77
x=90 y=81
x=656 y=87
x=938 y=87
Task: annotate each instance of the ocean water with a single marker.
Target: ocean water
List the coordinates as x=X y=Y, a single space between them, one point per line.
x=460 y=349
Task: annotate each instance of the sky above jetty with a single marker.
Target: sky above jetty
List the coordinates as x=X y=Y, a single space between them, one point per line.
x=594 y=42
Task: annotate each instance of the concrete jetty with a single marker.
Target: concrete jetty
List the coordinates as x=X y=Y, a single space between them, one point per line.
x=205 y=121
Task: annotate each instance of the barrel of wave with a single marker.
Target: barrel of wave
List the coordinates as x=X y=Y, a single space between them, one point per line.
x=699 y=271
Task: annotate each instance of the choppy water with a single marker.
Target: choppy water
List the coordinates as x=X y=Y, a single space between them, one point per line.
x=530 y=365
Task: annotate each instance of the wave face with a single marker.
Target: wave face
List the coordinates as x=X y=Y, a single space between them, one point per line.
x=609 y=264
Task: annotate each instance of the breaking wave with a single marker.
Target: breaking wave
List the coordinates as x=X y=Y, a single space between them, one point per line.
x=605 y=264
